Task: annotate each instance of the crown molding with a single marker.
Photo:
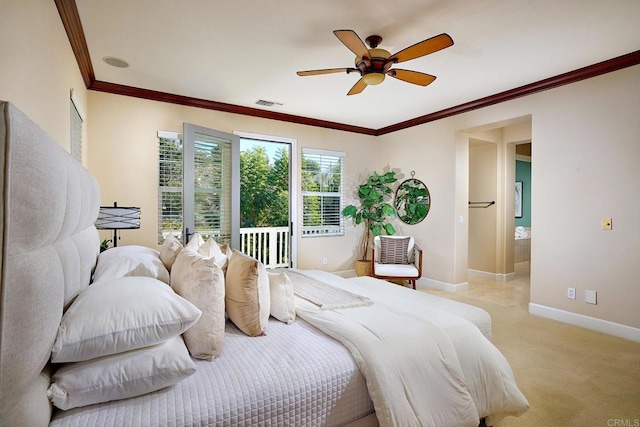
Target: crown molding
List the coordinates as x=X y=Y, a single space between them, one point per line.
x=68 y=12
x=71 y=20
x=594 y=70
x=153 y=95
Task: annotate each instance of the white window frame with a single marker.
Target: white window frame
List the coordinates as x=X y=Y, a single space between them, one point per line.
x=319 y=232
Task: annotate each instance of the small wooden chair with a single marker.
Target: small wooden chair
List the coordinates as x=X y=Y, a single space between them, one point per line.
x=392 y=264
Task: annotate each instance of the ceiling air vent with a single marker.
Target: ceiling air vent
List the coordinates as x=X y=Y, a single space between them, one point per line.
x=265 y=103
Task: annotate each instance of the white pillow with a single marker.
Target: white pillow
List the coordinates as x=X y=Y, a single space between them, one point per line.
x=121 y=376
x=130 y=261
x=282 y=299
x=195 y=242
x=201 y=281
x=211 y=249
x=113 y=316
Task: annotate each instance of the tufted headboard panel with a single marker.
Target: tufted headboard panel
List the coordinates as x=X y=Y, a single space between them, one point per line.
x=49 y=249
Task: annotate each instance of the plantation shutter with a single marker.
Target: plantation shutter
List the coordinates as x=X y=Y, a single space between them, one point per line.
x=322 y=192
x=169 y=186
x=212 y=185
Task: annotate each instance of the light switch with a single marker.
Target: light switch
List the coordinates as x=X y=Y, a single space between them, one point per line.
x=607 y=223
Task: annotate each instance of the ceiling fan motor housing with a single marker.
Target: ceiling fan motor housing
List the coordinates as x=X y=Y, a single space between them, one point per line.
x=373 y=69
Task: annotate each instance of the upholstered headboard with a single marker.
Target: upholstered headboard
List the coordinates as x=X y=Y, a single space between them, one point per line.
x=49 y=248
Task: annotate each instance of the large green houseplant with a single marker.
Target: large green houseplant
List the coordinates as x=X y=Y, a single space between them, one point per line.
x=375 y=209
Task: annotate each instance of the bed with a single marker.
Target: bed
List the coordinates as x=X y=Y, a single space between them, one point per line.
x=304 y=372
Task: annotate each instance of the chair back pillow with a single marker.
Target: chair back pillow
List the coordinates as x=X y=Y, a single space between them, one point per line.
x=394 y=250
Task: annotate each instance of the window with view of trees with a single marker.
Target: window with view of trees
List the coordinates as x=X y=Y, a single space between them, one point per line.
x=264 y=187
x=322 y=192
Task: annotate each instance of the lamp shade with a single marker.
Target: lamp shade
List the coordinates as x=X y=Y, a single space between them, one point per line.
x=118 y=218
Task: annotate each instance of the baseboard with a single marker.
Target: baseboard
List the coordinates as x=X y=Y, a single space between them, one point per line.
x=598 y=325
x=498 y=277
x=442 y=286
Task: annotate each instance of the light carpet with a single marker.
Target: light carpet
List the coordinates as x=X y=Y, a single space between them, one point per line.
x=570 y=375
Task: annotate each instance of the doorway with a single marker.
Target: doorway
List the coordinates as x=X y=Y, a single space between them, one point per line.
x=201 y=190
x=492 y=179
x=267 y=199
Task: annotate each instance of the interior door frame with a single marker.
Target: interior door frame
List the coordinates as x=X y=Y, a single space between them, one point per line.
x=188 y=191
x=293 y=185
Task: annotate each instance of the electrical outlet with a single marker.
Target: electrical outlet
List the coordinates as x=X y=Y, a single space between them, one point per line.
x=325 y=261
x=571 y=293
x=591 y=297
x=607 y=223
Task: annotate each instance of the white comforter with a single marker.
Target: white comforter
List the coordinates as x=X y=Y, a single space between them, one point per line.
x=423 y=366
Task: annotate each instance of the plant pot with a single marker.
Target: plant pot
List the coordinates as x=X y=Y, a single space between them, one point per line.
x=363 y=267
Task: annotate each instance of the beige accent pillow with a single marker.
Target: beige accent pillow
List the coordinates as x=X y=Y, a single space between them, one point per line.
x=200 y=281
x=282 y=301
x=247 y=294
x=170 y=249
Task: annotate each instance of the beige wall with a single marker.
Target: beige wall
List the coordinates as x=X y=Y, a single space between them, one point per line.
x=38 y=68
x=483 y=222
x=124 y=159
x=430 y=151
x=584 y=167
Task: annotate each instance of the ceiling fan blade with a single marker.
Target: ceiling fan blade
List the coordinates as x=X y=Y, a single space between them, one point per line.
x=350 y=39
x=358 y=87
x=325 y=71
x=414 y=77
x=423 y=48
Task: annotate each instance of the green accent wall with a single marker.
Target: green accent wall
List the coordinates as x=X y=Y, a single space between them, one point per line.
x=523 y=173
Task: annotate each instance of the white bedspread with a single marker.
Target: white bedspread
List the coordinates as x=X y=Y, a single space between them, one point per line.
x=423 y=366
x=295 y=375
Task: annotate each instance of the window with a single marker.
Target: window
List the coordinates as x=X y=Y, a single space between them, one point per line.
x=322 y=192
x=169 y=186
x=75 y=147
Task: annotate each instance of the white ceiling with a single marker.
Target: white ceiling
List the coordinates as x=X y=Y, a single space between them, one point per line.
x=238 y=52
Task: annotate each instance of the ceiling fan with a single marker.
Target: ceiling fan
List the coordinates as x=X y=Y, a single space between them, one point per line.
x=373 y=64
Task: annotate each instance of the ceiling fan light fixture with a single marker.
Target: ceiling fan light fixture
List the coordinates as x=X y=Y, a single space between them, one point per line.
x=379 y=53
x=373 y=78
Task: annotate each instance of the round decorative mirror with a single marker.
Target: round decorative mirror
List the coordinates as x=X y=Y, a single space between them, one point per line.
x=412 y=200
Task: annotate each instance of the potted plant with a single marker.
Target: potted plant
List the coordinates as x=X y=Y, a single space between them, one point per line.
x=374 y=211
x=104 y=245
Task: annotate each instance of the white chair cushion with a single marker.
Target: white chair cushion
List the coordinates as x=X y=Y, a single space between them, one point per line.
x=395 y=270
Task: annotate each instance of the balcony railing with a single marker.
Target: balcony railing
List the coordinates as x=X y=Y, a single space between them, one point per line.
x=270 y=245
